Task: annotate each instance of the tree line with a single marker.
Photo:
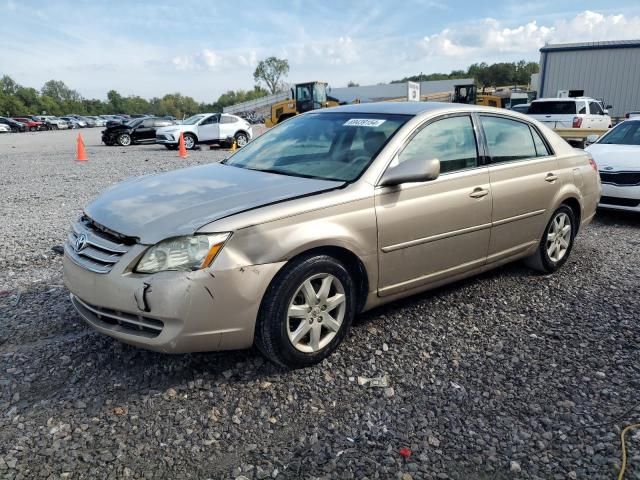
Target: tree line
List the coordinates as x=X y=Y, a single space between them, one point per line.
x=485 y=75
x=56 y=98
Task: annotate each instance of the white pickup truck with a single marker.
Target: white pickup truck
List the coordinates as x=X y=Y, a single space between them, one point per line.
x=579 y=112
x=220 y=128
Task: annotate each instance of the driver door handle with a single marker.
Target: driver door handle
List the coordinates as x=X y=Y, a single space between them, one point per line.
x=479 y=192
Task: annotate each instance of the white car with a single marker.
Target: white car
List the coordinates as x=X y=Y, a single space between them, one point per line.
x=617 y=154
x=578 y=112
x=5 y=128
x=634 y=114
x=54 y=123
x=219 y=128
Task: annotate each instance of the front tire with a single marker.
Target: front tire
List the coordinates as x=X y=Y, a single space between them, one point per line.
x=556 y=243
x=189 y=141
x=124 y=140
x=306 y=312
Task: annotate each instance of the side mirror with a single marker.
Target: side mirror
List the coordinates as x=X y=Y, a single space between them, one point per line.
x=608 y=107
x=415 y=170
x=593 y=138
x=605 y=112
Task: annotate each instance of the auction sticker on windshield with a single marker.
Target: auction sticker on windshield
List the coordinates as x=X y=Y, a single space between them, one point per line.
x=364 y=122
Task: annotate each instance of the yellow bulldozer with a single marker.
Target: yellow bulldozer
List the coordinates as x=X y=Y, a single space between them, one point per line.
x=469 y=94
x=304 y=97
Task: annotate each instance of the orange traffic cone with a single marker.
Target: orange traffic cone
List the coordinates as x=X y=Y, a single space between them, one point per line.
x=182 y=151
x=81 y=153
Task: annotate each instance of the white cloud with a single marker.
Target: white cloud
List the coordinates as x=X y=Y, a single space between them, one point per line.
x=490 y=36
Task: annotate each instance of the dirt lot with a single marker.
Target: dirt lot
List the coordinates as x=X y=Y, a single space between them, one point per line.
x=508 y=375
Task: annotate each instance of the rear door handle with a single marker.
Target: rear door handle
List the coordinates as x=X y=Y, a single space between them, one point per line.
x=551 y=177
x=479 y=192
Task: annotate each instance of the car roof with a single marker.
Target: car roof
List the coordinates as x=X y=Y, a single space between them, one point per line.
x=400 y=108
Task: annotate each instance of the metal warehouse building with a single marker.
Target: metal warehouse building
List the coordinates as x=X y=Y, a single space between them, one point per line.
x=609 y=71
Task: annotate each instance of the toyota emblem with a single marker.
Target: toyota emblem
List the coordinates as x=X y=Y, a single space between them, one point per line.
x=81 y=242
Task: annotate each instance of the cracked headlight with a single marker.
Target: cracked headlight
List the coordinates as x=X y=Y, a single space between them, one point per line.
x=182 y=253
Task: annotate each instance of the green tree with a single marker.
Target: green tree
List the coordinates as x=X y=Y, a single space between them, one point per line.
x=57 y=90
x=8 y=86
x=271 y=72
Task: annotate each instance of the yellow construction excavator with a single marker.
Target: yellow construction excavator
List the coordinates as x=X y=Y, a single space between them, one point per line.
x=304 y=97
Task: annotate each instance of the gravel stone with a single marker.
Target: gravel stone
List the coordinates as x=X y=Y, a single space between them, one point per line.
x=508 y=368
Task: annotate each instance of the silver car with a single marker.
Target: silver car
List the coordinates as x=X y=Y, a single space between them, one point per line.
x=328 y=214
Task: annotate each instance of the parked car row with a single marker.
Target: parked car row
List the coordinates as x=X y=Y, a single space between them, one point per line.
x=34 y=123
x=204 y=128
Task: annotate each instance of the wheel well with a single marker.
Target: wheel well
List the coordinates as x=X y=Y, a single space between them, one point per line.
x=184 y=134
x=241 y=131
x=574 y=205
x=353 y=264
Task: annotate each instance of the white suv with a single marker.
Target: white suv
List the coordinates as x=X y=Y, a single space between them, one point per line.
x=219 y=128
x=579 y=112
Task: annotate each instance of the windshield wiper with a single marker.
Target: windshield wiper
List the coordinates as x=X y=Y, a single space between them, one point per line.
x=291 y=174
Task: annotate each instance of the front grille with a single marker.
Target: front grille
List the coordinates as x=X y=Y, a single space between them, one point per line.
x=101 y=248
x=620 y=178
x=117 y=321
x=622 y=202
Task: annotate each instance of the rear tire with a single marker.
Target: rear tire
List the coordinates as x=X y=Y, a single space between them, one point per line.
x=241 y=139
x=556 y=243
x=306 y=312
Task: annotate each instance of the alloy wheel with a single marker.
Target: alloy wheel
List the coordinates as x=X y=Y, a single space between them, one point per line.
x=559 y=237
x=241 y=140
x=316 y=313
x=188 y=142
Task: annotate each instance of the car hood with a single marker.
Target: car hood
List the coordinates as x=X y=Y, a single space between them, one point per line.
x=117 y=127
x=615 y=157
x=155 y=207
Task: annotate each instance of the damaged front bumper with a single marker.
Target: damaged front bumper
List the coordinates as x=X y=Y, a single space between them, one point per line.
x=172 y=312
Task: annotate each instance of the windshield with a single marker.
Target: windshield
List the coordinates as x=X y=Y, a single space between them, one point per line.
x=193 y=120
x=552 y=108
x=626 y=133
x=329 y=146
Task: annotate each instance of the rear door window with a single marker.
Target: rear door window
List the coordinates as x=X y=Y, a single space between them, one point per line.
x=228 y=119
x=508 y=139
x=554 y=107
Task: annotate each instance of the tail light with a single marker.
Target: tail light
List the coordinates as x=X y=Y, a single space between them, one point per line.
x=593 y=163
x=577 y=122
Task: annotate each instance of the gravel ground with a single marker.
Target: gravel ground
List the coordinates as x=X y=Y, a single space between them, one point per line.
x=507 y=375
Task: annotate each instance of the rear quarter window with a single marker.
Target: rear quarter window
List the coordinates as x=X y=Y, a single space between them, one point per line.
x=553 y=108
